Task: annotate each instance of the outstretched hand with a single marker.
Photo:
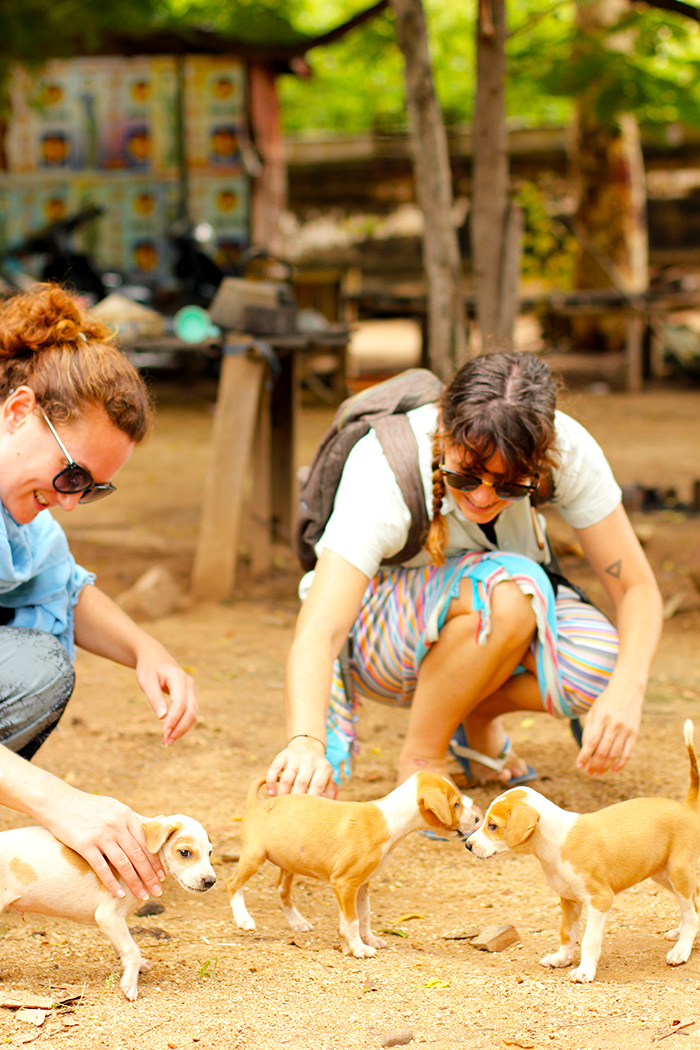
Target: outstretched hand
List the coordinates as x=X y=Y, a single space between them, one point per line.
x=610 y=733
x=169 y=690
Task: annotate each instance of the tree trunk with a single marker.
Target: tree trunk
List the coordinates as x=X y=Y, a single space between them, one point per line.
x=447 y=339
x=496 y=227
x=610 y=219
x=269 y=188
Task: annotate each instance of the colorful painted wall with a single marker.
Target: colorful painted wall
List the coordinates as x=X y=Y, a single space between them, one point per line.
x=103 y=131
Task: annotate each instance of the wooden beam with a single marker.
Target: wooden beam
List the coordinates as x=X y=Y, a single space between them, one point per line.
x=235 y=419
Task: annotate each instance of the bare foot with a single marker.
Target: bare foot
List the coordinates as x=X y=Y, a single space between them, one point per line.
x=490 y=739
x=410 y=764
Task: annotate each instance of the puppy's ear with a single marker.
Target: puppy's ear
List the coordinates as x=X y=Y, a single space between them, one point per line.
x=436 y=802
x=157 y=831
x=521 y=824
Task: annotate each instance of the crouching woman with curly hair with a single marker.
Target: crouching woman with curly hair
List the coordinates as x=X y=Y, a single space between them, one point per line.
x=72 y=409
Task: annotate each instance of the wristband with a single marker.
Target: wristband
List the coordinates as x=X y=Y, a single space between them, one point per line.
x=308 y=736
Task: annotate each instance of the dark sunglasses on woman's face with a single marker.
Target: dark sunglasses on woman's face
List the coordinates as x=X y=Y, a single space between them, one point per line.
x=74 y=478
x=503 y=489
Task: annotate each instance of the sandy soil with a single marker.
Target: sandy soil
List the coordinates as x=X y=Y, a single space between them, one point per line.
x=214 y=985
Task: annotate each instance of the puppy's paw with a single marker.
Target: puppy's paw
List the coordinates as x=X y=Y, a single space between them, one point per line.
x=677 y=956
x=130 y=989
x=562 y=957
x=582 y=975
x=245 y=922
x=364 y=951
x=374 y=942
x=300 y=924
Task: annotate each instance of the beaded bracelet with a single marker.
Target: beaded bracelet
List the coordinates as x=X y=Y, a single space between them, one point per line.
x=308 y=737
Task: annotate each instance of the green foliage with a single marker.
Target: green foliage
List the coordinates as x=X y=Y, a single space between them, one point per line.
x=33 y=30
x=655 y=76
x=357 y=82
x=251 y=21
x=549 y=249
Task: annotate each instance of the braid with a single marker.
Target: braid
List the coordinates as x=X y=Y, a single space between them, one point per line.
x=436 y=540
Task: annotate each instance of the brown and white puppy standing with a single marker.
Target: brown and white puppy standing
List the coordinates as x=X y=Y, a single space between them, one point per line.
x=39 y=874
x=344 y=842
x=589 y=858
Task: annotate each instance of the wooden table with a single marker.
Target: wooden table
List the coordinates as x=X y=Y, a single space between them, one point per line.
x=252 y=458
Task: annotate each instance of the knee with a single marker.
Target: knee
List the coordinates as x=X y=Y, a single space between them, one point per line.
x=36 y=682
x=38 y=666
x=55 y=667
x=512 y=615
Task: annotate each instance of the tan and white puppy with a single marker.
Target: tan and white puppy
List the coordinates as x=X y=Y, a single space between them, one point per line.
x=344 y=842
x=590 y=858
x=39 y=874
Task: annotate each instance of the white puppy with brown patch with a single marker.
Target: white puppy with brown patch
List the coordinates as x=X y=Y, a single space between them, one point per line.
x=590 y=858
x=344 y=842
x=40 y=874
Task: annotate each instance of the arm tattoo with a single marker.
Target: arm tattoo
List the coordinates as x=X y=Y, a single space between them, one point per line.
x=615 y=569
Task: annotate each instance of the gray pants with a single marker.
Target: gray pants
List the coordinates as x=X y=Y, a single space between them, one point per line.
x=36 y=682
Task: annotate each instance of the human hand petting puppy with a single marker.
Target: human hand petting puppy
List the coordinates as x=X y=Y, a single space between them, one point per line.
x=101 y=829
x=301 y=768
x=109 y=836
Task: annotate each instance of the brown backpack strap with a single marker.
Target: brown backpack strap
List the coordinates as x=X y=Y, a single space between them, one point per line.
x=400 y=447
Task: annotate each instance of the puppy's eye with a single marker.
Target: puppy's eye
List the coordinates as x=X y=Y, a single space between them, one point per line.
x=185 y=853
x=491 y=826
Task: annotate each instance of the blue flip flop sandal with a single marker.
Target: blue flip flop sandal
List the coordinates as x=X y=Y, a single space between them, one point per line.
x=459 y=747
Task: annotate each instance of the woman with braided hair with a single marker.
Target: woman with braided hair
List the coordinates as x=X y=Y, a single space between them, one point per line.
x=478 y=624
x=72 y=409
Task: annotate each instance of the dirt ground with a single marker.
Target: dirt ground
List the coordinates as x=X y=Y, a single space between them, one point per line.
x=219 y=987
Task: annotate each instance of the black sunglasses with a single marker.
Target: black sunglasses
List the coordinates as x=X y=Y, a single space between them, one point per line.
x=504 y=489
x=75 y=478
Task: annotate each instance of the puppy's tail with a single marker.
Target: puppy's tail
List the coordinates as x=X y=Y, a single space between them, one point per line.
x=691 y=798
x=253 y=791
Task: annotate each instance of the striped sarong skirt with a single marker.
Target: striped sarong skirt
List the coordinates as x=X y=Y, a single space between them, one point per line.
x=403 y=610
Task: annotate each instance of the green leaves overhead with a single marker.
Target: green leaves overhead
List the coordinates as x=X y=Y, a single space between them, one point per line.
x=357 y=81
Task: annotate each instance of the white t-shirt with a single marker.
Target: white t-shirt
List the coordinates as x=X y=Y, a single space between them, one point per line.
x=370 y=520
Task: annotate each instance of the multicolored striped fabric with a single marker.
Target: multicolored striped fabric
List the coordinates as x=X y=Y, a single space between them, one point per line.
x=587 y=649
x=404 y=609
x=401 y=616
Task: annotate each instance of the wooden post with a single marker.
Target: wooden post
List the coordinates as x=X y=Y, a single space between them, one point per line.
x=433 y=180
x=284 y=414
x=636 y=322
x=657 y=364
x=260 y=504
x=235 y=419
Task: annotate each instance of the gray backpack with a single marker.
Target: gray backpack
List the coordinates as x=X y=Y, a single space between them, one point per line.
x=383 y=408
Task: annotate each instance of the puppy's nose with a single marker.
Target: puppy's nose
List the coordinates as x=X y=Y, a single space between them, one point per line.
x=467 y=844
x=208 y=881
